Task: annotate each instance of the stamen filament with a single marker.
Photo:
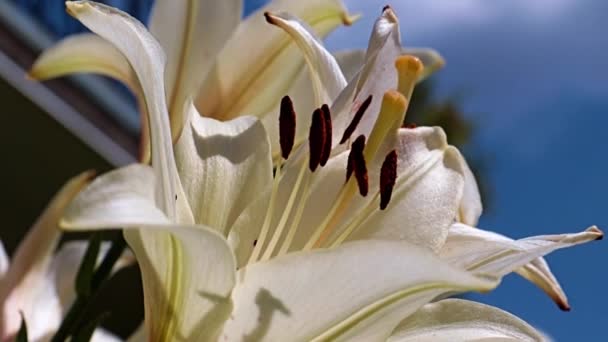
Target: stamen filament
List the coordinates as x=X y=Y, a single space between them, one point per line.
x=281 y=226
x=266 y=225
x=362 y=215
x=323 y=230
x=293 y=228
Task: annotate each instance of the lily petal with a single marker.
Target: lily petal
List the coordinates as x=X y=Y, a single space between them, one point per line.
x=120 y=198
x=192 y=33
x=181 y=299
x=327 y=77
x=376 y=76
x=310 y=296
x=470 y=206
x=146 y=57
x=84 y=52
x=491 y=253
x=427 y=193
x=539 y=273
x=90 y=53
x=224 y=166
x=176 y=260
x=27 y=284
x=463 y=320
x=254 y=82
x=351 y=61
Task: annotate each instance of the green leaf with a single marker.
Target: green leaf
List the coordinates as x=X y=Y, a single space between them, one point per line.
x=87 y=267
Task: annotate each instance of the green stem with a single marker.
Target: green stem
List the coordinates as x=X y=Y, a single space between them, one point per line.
x=73 y=320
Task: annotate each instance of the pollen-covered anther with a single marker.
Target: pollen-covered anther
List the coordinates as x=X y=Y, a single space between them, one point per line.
x=316 y=139
x=409 y=68
x=287 y=126
x=350 y=129
x=328 y=135
x=358 y=166
x=388 y=177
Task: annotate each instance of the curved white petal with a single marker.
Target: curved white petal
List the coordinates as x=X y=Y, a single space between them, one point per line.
x=491 y=253
x=360 y=290
x=187 y=274
x=376 y=76
x=427 y=193
x=539 y=273
x=253 y=83
x=147 y=59
x=327 y=78
x=224 y=166
x=120 y=198
x=192 y=33
x=351 y=61
x=462 y=320
x=84 y=52
x=88 y=52
x=28 y=286
x=470 y=206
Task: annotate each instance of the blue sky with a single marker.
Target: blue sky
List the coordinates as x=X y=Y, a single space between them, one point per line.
x=532 y=76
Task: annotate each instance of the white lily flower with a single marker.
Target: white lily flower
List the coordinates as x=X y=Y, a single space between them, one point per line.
x=39 y=283
x=227 y=251
x=204 y=42
x=191 y=282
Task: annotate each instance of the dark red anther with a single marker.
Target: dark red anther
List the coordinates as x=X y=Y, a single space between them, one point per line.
x=287 y=126
x=388 y=177
x=410 y=125
x=328 y=133
x=357 y=165
x=356 y=119
x=316 y=138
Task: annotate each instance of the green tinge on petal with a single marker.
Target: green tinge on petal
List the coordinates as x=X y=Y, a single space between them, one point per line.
x=337 y=293
x=188 y=273
x=253 y=83
x=89 y=53
x=462 y=320
x=84 y=53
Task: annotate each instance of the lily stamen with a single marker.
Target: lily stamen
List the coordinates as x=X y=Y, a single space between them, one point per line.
x=287 y=126
x=316 y=139
x=388 y=177
x=328 y=134
x=350 y=129
x=359 y=165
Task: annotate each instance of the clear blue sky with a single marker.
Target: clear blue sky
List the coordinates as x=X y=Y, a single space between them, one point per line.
x=533 y=77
